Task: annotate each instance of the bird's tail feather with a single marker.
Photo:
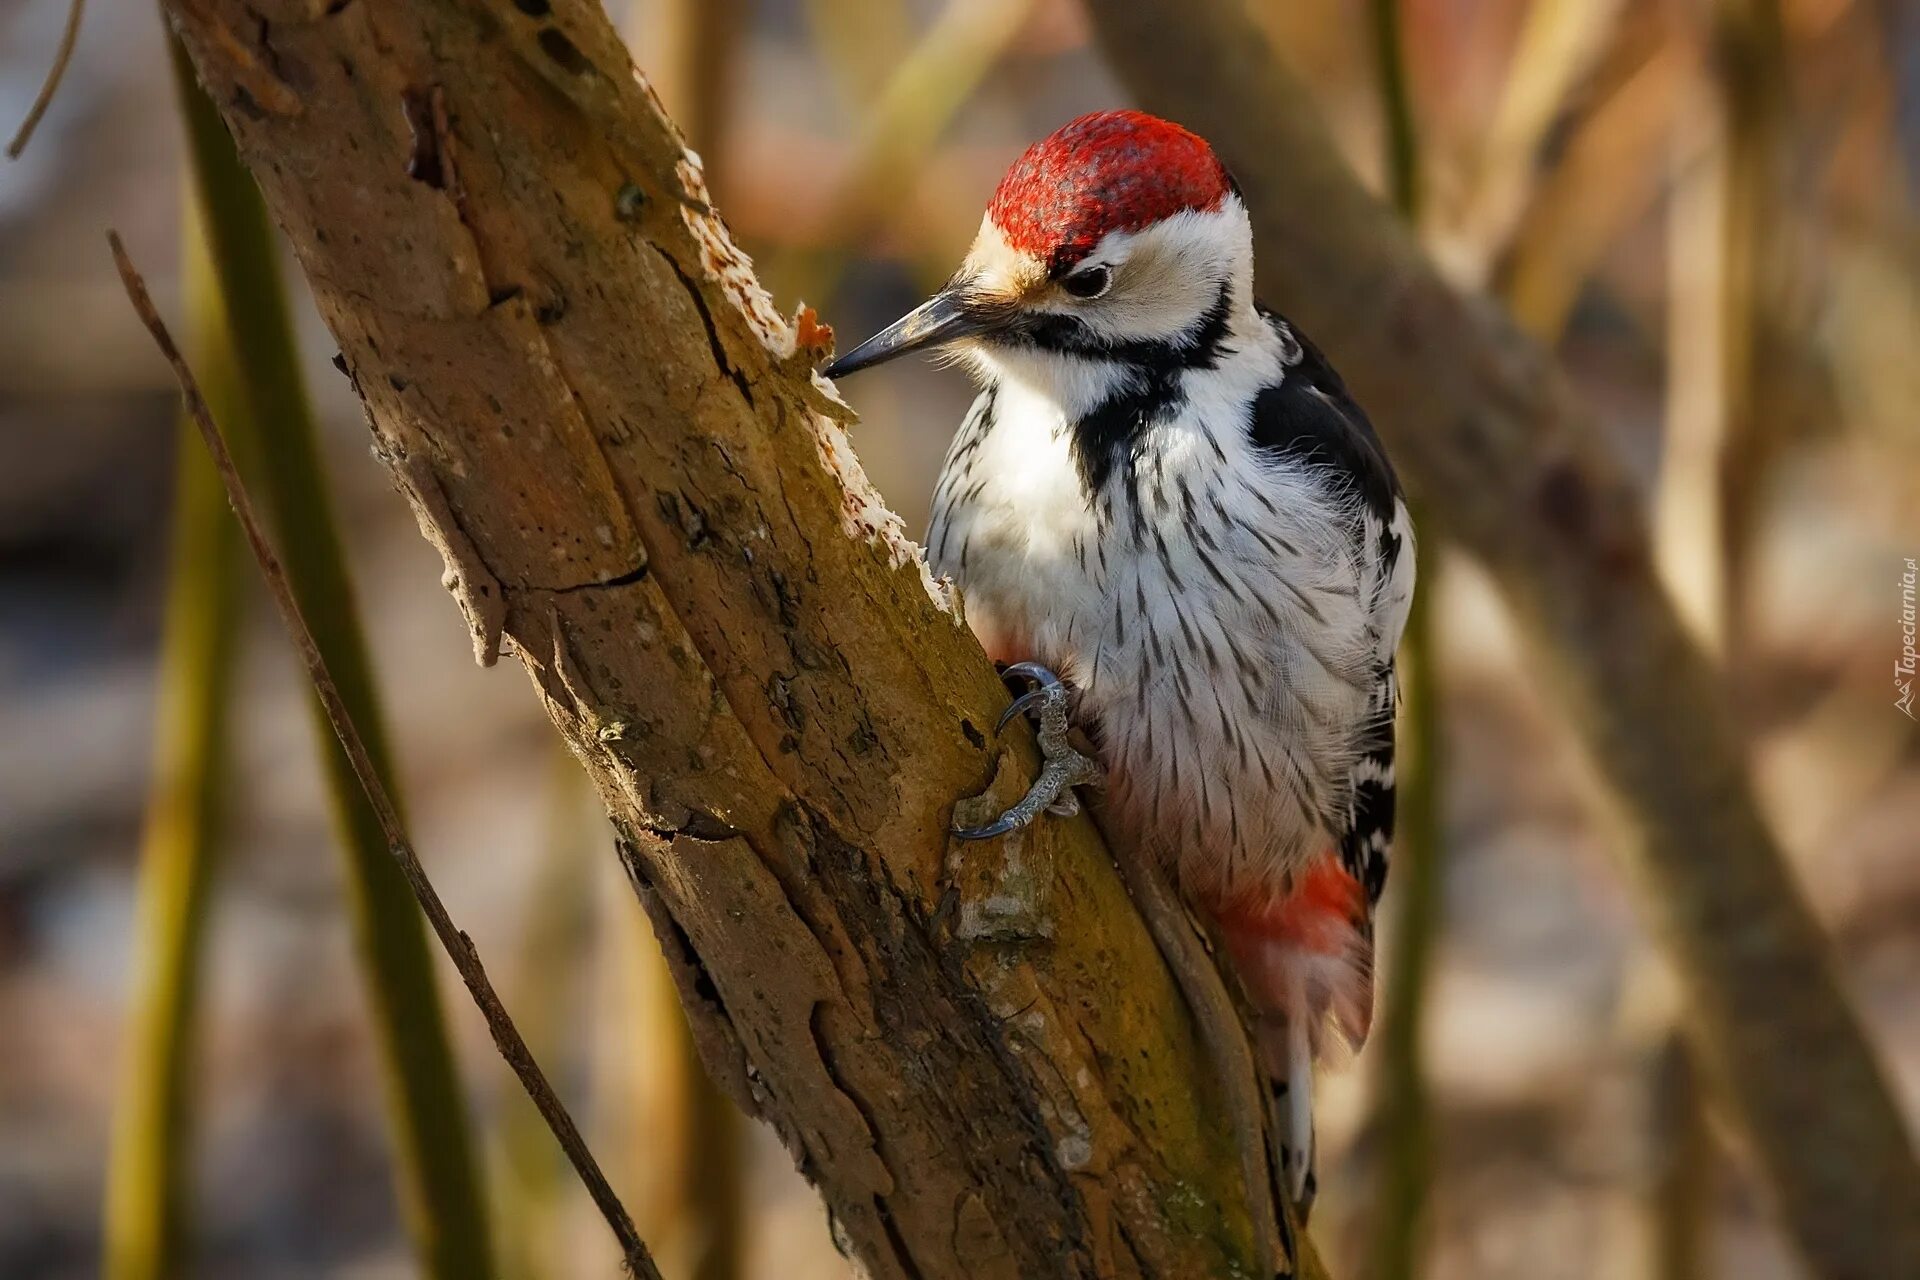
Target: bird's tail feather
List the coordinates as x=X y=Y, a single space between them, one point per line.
x=1306 y=959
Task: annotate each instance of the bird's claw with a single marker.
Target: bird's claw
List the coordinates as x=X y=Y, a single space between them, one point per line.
x=1020 y=704
x=1064 y=767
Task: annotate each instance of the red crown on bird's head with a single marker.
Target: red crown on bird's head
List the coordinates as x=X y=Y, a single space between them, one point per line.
x=1105 y=172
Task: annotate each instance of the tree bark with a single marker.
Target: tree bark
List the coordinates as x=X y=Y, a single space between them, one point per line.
x=1493 y=441
x=640 y=490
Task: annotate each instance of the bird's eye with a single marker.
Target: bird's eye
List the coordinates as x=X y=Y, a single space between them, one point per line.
x=1090 y=283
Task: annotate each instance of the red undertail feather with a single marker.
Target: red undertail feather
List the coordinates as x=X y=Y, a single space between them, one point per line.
x=1307 y=960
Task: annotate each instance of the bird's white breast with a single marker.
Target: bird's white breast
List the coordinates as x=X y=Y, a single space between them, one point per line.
x=1212 y=608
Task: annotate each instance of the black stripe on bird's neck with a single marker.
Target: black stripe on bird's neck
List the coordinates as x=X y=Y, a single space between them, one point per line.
x=1109 y=438
x=1195 y=347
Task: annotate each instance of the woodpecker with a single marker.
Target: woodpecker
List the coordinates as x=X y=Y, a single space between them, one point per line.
x=1167 y=512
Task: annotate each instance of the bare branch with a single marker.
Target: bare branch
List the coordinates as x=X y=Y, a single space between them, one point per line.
x=62 y=55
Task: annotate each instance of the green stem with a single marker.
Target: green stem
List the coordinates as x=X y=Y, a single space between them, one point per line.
x=435 y=1165
x=1404 y=1110
x=146 y=1224
x=1396 y=106
x=714 y=1174
x=1680 y=1192
x=558 y=922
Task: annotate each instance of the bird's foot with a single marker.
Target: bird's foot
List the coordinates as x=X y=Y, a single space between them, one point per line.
x=1065 y=768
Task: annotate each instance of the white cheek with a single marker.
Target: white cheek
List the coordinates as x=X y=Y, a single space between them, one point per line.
x=1167 y=275
x=1165 y=303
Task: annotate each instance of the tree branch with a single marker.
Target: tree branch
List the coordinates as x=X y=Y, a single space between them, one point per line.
x=62 y=56
x=640 y=490
x=1492 y=440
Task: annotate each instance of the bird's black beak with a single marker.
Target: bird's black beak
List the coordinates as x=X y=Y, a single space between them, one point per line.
x=941 y=318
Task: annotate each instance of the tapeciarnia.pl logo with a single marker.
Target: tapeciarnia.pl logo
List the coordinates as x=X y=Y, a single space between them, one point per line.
x=1903 y=666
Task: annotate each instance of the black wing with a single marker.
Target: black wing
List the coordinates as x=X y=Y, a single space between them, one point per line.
x=1310 y=416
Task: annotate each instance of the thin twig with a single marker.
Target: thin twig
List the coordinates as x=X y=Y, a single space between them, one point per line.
x=459 y=948
x=1402 y=1104
x=61 y=57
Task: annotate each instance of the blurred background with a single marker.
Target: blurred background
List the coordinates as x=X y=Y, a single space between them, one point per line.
x=1707 y=210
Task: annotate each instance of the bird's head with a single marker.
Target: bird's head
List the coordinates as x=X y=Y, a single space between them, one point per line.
x=1118 y=231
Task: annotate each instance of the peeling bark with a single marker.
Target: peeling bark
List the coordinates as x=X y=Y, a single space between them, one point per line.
x=640 y=490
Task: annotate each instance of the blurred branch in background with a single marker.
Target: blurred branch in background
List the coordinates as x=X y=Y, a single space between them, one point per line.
x=1402 y=1122
x=711 y=1172
x=1608 y=175
x=435 y=1166
x=557 y=926
x=1705 y=286
x=1560 y=42
x=1673 y=1183
x=1492 y=438
x=1681 y=1190
x=1726 y=426
x=862 y=43
x=1761 y=347
x=690 y=50
x=681 y=1142
x=148 y=1224
x=56 y=70
x=1404 y=176
x=903 y=122
x=639 y=1098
